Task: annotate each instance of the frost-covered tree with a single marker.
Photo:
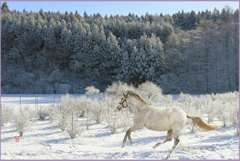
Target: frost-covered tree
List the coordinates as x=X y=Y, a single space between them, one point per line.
x=22 y=121
x=151 y=91
x=117 y=88
x=91 y=90
x=73 y=128
x=185 y=52
x=6 y=114
x=145 y=63
x=42 y=113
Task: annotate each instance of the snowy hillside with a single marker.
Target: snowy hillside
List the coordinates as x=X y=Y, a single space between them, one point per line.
x=51 y=52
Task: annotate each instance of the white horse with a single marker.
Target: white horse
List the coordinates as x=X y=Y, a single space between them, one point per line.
x=172 y=119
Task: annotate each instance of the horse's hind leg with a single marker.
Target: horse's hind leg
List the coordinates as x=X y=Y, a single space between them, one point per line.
x=176 y=141
x=169 y=138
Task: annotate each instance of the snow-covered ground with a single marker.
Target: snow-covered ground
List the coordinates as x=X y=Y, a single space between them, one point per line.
x=44 y=141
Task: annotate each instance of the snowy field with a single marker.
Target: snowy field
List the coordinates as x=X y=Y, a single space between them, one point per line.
x=45 y=141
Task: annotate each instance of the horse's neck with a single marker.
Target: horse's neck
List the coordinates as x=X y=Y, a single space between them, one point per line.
x=136 y=104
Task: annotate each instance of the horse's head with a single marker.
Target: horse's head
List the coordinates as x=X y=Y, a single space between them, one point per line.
x=123 y=103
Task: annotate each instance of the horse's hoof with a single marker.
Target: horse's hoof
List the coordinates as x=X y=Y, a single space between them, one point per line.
x=123 y=146
x=131 y=141
x=168 y=155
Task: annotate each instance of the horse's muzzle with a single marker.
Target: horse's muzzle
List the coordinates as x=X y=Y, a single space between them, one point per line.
x=119 y=108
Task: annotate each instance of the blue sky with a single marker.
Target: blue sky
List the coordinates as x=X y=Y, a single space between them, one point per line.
x=121 y=7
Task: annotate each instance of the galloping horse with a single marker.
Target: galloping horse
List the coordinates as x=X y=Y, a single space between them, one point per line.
x=158 y=119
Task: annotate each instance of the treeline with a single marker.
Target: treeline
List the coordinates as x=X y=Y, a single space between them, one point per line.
x=52 y=52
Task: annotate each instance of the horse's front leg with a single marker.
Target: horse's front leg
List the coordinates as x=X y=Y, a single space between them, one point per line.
x=125 y=138
x=128 y=133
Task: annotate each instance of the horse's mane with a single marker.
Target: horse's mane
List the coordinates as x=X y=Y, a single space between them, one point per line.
x=138 y=96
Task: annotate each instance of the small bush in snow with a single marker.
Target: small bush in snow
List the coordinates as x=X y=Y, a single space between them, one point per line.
x=87 y=122
x=74 y=130
x=112 y=116
x=82 y=105
x=72 y=127
x=31 y=112
x=125 y=119
x=91 y=90
x=97 y=111
x=62 y=123
x=54 y=113
x=117 y=88
x=150 y=91
x=42 y=114
x=67 y=103
x=64 y=114
x=6 y=114
x=21 y=121
x=112 y=122
x=168 y=100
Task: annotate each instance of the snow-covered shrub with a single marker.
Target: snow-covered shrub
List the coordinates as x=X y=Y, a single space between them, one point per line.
x=184 y=100
x=227 y=108
x=91 y=90
x=151 y=91
x=87 y=122
x=60 y=113
x=97 y=111
x=42 y=113
x=168 y=100
x=125 y=118
x=21 y=121
x=111 y=116
x=112 y=121
x=73 y=129
x=107 y=102
x=62 y=120
x=64 y=115
x=206 y=106
x=117 y=88
x=87 y=113
x=6 y=114
x=222 y=107
x=234 y=111
x=82 y=105
x=54 y=113
x=224 y=114
x=93 y=108
x=31 y=112
x=233 y=115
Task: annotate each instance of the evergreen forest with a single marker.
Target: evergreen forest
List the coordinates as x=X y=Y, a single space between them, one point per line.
x=51 y=52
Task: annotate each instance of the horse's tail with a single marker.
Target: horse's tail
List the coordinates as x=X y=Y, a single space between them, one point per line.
x=198 y=122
